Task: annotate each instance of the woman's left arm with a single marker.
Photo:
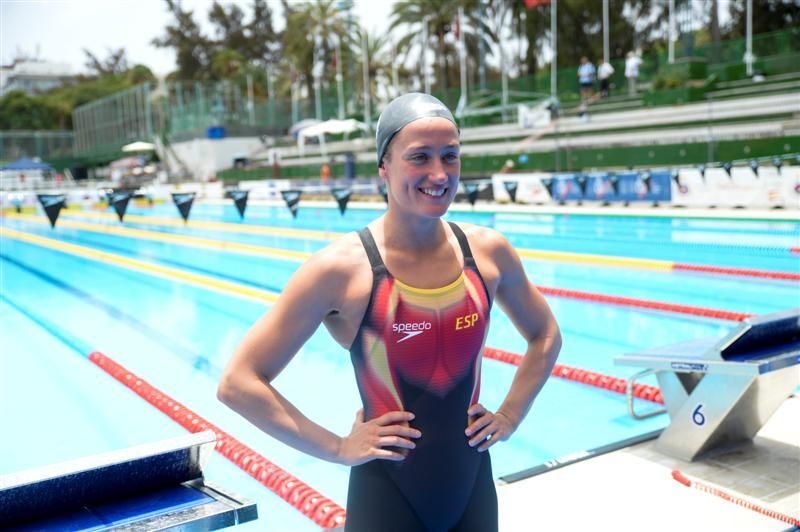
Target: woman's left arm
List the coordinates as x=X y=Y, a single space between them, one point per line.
x=532 y=317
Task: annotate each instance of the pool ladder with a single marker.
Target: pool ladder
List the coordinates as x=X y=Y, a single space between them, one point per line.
x=629 y=393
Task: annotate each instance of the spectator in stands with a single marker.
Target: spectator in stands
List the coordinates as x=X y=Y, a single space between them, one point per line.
x=632 y=62
x=350 y=165
x=586 y=74
x=604 y=72
x=325 y=173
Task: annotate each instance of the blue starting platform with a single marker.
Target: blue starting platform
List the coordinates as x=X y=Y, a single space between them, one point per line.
x=718 y=391
x=158 y=486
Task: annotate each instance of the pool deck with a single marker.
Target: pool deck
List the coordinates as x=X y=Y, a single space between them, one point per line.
x=632 y=489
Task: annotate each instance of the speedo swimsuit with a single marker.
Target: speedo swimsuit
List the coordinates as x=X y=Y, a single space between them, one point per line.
x=419 y=350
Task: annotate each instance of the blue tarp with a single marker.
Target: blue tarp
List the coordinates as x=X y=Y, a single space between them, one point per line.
x=26 y=163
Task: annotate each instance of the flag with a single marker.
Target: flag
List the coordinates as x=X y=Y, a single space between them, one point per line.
x=292 y=198
x=183 y=201
x=239 y=198
x=511 y=188
x=342 y=195
x=52 y=205
x=472 y=192
x=548 y=183
x=119 y=200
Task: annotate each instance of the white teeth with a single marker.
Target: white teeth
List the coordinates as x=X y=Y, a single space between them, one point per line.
x=435 y=192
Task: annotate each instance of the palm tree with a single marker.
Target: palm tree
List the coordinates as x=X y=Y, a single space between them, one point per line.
x=379 y=59
x=439 y=15
x=309 y=38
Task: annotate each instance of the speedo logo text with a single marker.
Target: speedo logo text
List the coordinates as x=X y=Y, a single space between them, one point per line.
x=411 y=330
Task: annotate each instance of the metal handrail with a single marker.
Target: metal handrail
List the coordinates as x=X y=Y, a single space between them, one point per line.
x=629 y=394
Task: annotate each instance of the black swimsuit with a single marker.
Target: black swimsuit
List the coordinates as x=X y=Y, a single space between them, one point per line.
x=419 y=350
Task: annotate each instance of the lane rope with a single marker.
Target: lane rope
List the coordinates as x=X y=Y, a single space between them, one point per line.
x=237 y=289
x=311 y=503
x=562 y=256
x=585 y=376
x=686 y=481
x=645 y=303
x=741 y=272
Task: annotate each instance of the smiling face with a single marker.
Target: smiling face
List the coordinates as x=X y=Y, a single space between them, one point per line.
x=422 y=167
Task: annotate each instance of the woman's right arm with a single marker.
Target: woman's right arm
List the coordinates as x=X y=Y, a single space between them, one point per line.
x=316 y=289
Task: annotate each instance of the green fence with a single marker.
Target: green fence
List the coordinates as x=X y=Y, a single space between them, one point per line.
x=45 y=145
x=660 y=155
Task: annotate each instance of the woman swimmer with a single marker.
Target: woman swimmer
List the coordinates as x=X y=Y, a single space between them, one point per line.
x=409 y=295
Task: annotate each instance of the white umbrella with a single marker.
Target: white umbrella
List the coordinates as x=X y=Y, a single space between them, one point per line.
x=139 y=146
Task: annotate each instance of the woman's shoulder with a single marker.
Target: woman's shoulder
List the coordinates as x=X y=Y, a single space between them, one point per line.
x=343 y=257
x=485 y=238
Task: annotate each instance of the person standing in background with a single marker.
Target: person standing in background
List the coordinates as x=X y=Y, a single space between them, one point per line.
x=586 y=74
x=604 y=72
x=325 y=173
x=632 y=62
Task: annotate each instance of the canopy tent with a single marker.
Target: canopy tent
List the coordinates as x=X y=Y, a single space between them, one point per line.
x=138 y=146
x=331 y=127
x=27 y=164
x=301 y=125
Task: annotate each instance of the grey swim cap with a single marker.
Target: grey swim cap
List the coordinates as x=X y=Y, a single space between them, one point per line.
x=405 y=109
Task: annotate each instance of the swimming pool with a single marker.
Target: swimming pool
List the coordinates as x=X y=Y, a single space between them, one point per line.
x=170 y=301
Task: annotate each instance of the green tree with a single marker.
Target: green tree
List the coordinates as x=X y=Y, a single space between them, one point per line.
x=20 y=111
x=115 y=63
x=439 y=16
x=312 y=29
x=227 y=63
x=379 y=59
x=192 y=49
x=768 y=15
x=139 y=74
x=263 y=41
x=579 y=23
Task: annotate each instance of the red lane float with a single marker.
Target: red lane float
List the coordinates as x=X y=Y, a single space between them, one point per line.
x=683 y=479
x=592 y=378
x=645 y=303
x=746 y=272
x=322 y=510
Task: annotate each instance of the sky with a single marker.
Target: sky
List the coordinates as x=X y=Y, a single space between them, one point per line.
x=59 y=30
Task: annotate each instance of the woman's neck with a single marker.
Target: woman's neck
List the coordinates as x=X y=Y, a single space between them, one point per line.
x=407 y=232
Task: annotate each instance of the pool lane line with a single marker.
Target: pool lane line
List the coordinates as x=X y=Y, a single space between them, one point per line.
x=164 y=272
x=225 y=227
x=65 y=337
x=178 y=239
x=185 y=352
x=238 y=289
x=561 y=256
x=310 y=502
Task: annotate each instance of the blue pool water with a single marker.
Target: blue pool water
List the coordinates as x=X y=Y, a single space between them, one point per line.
x=56 y=307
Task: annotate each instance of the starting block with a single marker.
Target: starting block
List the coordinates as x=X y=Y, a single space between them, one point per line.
x=720 y=391
x=156 y=486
